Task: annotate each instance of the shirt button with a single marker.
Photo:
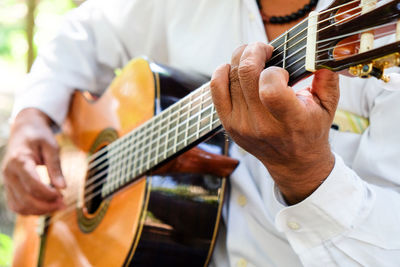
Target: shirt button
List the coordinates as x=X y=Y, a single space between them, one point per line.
x=242 y=200
x=241 y=263
x=293 y=225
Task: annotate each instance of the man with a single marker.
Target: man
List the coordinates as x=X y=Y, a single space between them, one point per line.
x=328 y=198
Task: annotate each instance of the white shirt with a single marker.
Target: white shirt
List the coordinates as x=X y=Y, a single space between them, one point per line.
x=352 y=219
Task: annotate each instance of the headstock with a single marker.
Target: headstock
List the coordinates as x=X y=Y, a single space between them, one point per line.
x=362 y=36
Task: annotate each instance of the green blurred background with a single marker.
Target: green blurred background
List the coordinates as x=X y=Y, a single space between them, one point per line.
x=24 y=25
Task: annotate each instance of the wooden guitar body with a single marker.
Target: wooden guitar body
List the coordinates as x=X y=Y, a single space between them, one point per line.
x=168 y=218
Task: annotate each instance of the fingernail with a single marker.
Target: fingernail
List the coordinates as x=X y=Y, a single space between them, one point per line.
x=61 y=182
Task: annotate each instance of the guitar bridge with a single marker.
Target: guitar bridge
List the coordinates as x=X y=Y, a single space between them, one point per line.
x=376 y=67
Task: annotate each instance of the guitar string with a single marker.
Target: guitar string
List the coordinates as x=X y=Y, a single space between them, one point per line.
x=95 y=163
x=68 y=208
x=301 y=68
x=141 y=134
x=151 y=145
x=122 y=150
x=299 y=33
x=149 y=129
x=319 y=22
x=325 y=11
x=58 y=215
x=124 y=144
x=140 y=168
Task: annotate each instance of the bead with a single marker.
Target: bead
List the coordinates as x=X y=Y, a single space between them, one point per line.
x=294 y=16
x=300 y=13
x=279 y=19
x=307 y=8
x=273 y=20
x=286 y=19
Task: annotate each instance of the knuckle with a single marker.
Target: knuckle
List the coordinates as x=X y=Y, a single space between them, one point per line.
x=269 y=93
x=248 y=69
x=213 y=83
x=239 y=50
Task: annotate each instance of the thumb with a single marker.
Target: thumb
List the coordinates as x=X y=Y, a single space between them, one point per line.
x=325 y=86
x=51 y=159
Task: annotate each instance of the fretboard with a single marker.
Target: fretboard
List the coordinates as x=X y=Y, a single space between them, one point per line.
x=185 y=123
x=290 y=52
x=171 y=132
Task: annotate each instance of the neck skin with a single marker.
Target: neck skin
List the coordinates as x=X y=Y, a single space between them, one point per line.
x=280 y=8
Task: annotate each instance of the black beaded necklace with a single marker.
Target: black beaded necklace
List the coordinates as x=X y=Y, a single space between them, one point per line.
x=288 y=18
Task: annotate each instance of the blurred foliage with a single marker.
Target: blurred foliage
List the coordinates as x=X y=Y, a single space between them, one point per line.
x=5 y=250
x=13 y=43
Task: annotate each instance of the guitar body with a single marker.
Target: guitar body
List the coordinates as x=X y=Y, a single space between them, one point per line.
x=167 y=219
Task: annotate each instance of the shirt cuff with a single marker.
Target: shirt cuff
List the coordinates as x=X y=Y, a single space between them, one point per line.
x=328 y=212
x=49 y=98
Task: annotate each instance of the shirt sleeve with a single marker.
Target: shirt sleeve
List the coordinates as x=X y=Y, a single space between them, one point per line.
x=82 y=56
x=353 y=217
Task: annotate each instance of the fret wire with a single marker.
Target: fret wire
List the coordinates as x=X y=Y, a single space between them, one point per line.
x=187 y=119
x=166 y=136
x=212 y=111
x=158 y=143
x=176 y=130
x=199 y=115
x=284 y=51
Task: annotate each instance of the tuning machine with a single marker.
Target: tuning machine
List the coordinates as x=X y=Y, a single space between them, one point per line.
x=376 y=67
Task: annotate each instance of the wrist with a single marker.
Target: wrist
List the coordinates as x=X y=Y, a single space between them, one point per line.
x=29 y=115
x=300 y=178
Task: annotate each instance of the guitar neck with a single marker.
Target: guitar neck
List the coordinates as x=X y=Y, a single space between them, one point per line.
x=175 y=130
x=187 y=122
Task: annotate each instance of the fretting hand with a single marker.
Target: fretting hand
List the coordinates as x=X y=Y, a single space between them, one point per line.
x=286 y=131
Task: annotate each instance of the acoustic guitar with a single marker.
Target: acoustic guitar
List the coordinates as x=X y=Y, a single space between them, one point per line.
x=146 y=171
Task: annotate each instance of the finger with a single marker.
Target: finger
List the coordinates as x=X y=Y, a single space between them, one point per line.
x=27 y=177
x=51 y=157
x=325 y=86
x=26 y=204
x=220 y=91
x=237 y=54
x=276 y=95
x=252 y=62
x=235 y=92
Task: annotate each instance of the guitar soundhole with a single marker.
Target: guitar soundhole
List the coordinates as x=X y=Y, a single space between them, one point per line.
x=96 y=177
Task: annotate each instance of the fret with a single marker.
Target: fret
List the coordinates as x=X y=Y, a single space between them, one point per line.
x=132 y=155
x=211 y=121
x=284 y=51
x=166 y=133
x=177 y=126
x=187 y=119
x=199 y=113
x=155 y=152
x=138 y=154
